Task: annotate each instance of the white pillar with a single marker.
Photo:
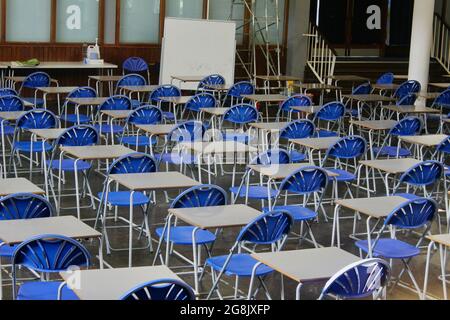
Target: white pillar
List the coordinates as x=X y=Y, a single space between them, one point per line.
x=421 y=42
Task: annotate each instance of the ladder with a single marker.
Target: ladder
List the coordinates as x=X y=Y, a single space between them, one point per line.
x=258 y=28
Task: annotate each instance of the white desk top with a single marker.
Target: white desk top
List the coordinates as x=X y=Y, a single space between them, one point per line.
x=188 y=78
x=266 y=97
x=215 y=111
x=217 y=147
x=375 y=124
x=176 y=100
x=393 y=166
x=431 y=140
x=309 y=264
x=48 y=134
x=113 y=284
x=117 y=114
x=11 y=115
x=282 y=171
x=146 y=88
x=16 y=231
x=156 y=129
x=411 y=109
x=18 y=185
x=154 y=181
x=217 y=217
x=377 y=207
x=443 y=239
x=56 y=90
x=64 y=65
x=97 y=152
x=87 y=101
x=369 y=97
x=316 y=143
x=269 y=126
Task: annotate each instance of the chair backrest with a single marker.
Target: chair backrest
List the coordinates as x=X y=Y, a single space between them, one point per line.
x=36 y=80
x=350 y=147
x=407 y=100
x=443 y=100
x=387 y=78
x=298 y=129
x=131 y=80
x=364 y=88
x=201 y=101
x=410 y=86
x=201 y=196
x=358 y=280
x=11 y=103
x=444 y=146
x=413 y=214
x=79 y=136
x=214 y=79
x=409 y=126
x=83 y=92
x=241 y=114
x=298 y=100
x=8 y=92
x=167 y=90
x=272 y=156
x=189 y=131
x=268 y=228
x=241 y=88
x=306 y=180
x=133 y=163
x=331 y=111
x=24 y=206
x=51 y=253
x=161 y=290
x=423 y=174
x=37 y=119
x=117 y=102
x=146 y=115
x=135 y=64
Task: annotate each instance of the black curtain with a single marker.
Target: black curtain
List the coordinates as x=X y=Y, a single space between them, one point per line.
x=401 y=22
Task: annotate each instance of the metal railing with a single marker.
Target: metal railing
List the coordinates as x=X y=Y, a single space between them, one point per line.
x=441 y=42
x=321 y=58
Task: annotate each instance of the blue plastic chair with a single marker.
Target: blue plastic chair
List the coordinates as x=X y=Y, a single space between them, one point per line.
x=409 y=126
x=190 y=131
x=363 y=89
x=9 y=103
x=412 y=215
x=333 y=114
x=72 y=118
x=310 y=184
x=299 y=129
x=387 y=78
x=294 y=101
x=260 y=192
x=117 y=102
x=345 y=155
x=131 y=80
x=128 y=164
x=167 y=90
x=34 y=81
x=195 y=197
x=214 y=79
x=197 y=103
x=77 y=136
x=419 y=177
x=239 y=116
x=22 y=206
x=270 y=228
x=33 y=119
x=441 y=102
x=407 y=100
x=136 y=65
x=47 y=254
x=8 y=92
x=359 y=280
x=237 y=91
x=161 y=290
x=145 y=115
x=410 y=86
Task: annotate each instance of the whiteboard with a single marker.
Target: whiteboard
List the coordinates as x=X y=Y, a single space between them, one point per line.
x=193 y=47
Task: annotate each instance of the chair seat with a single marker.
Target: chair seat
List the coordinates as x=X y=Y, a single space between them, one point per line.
x=122 y=198
x=183 y=235
x=176 y=158
x=38 y=290
x=107 y=128
x=168 y=115
x=238 y=137
x=390 y=249
x=36 y=102
x=408 y=196
x=326 y=134
x=73 y=118
x=26 y=146
x=254 y=192
x=7 y=251
x=8 y=130
x=343 y=175
x=69 y=165
x=140 y=141
x=297 y=156
x=239 y=265
x=299 y=213
x=392 y=151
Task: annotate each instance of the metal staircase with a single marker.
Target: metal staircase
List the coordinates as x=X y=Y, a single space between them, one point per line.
x=258 y=49
x=441 y=42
